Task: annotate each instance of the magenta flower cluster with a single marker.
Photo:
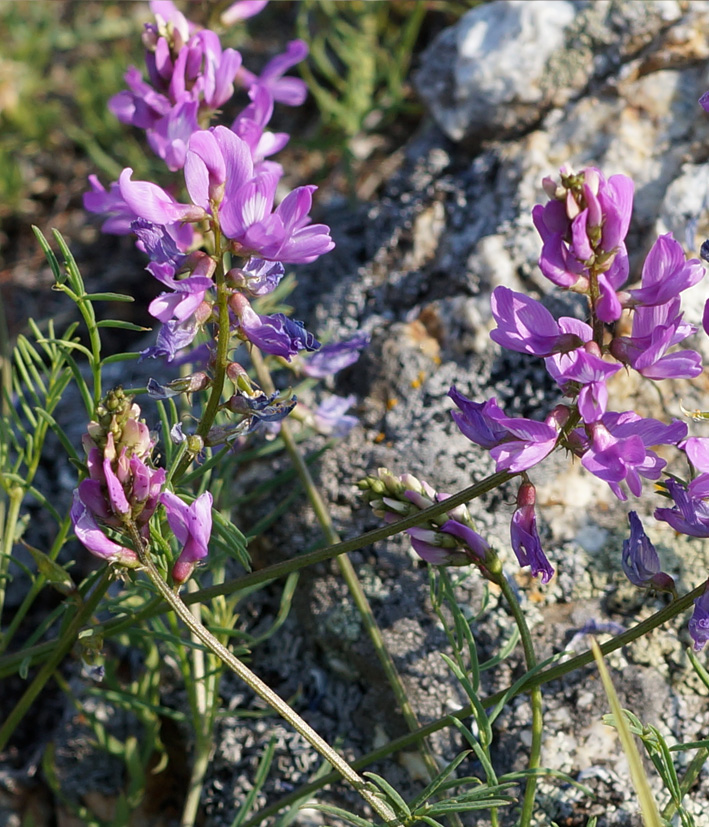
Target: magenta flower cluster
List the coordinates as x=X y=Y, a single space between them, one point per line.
x=583 y=228
x=228 y=176
x=124 y=488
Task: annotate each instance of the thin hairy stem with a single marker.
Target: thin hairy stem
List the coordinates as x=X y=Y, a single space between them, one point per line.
x=349 y=575
x=535 y=699
x=254 y=682
x=537 y=680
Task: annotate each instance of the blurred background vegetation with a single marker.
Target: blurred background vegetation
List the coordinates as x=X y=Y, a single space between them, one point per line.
x=62 y=60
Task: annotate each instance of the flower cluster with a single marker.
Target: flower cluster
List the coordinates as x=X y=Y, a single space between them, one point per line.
x=450 y=539
x=122 y=486
x=123 y=490
x=231 y=184
x=583 y=228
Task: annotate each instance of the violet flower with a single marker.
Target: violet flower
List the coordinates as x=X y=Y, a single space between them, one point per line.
x=89 y=534
x=583 y=231
x=697 y=450
x=526 y=326
x=690 y=515
x=331 y=416
x=657 y=321
x=109 y=202
x=524 y=535
x=219 y=176
x=335 y=356
x=516 y=444
x=582 y=372
x=250 y=125
x=173 y=336
x=282 y=88
x=257 y=278
x=479 y=421
x=699 y=621
x=640 y=560
x=619 y=449
x=192 y=526
x=122 y=488
x=275 y=334
x=241 y=10
x=666 y=273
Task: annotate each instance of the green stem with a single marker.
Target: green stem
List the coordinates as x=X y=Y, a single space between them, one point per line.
x=203 y=724
x=347 y=570
x=61 y=647
x=221 y=362
x=257 y=685
x=535 y=699
x=539 y=679
x=690 y=776
x=12 y=515
x=10 y=663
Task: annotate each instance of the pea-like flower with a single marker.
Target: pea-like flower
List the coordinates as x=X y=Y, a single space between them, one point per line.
x=640 y=561
x=192 y=526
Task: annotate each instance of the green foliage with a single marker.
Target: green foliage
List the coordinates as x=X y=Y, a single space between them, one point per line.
x=60 y=63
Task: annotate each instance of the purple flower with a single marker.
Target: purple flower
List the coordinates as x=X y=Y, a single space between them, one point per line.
x=219 y=172
x=646 y=350
x=330 y=416
x=528 y=444
x=705 y=315
x=619 y=449
x=524 y=535
x=582 y=372
x=111 y=204
x=472 y=541
x=657 y=321
x=697 y=450
x=640 y=561
x=192 y=526
x=583 y=229
x=250 y=125
x=699 y=621
x=289 y=90
x=275 y=334
x=666 y=273
x=169 y=135
x=516 y=444
x=479 y=421
x=257 y=278
x=526 y=326
x=152 y=203
x=241 y=10
x=92 y=538
x=335 y=356
x=690 y=514
x=173 y=336
x=215 y=79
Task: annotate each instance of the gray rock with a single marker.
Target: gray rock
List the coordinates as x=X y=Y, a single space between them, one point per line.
x=505 y=64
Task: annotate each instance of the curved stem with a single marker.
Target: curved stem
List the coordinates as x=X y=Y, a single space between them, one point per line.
x=539 y=679
x=254 y=682
x=535 y=699
x=347 y=570
x=61 y=647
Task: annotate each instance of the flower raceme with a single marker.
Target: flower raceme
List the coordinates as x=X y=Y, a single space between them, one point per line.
x=123 y=487
x=447 y=540
x=583 y=229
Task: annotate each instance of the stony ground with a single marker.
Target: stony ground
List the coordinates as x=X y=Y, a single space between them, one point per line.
x=445 y=221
